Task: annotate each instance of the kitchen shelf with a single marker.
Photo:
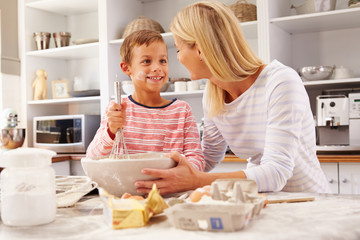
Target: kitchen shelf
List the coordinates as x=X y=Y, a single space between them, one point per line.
x=177 y=94
x=249 y=29
x=270 y=37
x=169 y=40
x=318 y=22
x=182 y=94
x=65 y=7
x=332 y=82
x=70 y=52
x=65 y=101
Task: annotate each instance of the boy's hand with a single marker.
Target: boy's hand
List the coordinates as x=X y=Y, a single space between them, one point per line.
x=116 y=116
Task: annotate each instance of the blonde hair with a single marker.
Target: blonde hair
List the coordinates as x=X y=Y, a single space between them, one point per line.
x=138 y=38
x=217 y=32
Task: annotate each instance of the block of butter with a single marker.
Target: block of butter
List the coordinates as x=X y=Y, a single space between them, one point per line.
x=130 y=213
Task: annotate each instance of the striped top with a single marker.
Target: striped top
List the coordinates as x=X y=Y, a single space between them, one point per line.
x=272 y=126
x=154 y=129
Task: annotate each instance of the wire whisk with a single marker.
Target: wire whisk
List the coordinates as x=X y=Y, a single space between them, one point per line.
x=119 y=149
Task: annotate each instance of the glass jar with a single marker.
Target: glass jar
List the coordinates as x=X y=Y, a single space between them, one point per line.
x=28 y=195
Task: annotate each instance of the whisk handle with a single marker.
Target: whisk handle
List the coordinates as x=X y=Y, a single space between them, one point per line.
x=117 y=91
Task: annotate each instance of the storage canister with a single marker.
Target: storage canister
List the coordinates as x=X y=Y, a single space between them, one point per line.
x=62 y=39
x=28 y=193
x=42 y=40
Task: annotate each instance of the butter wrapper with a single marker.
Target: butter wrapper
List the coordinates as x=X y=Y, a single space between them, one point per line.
x=155 y=202
x=131 y=213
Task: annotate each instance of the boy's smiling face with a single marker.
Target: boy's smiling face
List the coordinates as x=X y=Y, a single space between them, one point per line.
x=149 y=66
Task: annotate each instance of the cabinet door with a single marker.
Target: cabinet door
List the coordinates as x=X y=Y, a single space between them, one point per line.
x=331 y=173
x=62 y=168
x=349 y=178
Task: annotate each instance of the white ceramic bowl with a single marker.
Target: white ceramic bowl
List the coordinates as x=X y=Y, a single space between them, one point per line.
x=118 y=176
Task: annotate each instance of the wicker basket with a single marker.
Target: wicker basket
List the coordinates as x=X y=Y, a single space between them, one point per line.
x=142 y=23
x=244 y=11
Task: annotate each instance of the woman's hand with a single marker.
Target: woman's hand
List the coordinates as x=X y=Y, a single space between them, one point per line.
x=116 y=117
x=181 y=178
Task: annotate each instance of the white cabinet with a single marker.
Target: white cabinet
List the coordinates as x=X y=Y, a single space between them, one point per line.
x=80 y=18
x=331 y=173
x=349 y=178
x=97 y=63
x=61 y=168
x=296 y=40
x=343 y=177
x=326 y=38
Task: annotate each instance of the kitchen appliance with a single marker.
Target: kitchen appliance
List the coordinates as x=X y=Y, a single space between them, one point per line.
x=65 y=133
x=338 y=119
x=11 y=136
x=354 y=119
x=332 y=119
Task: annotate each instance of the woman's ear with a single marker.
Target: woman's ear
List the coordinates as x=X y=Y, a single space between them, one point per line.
x=198 y=52
x=125 y=68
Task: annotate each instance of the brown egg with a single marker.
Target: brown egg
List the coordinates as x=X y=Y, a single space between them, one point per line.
x=126 y=196
x=197 y=194
x=129 y=196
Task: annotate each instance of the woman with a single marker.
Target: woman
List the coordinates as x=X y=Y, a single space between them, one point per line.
x=261 y=111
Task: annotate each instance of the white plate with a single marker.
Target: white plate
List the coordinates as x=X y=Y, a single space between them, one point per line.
x=84 y=41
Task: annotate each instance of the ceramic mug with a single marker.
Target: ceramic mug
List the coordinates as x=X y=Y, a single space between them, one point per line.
x=342 y=72
x=192 y=85
x=180 y=86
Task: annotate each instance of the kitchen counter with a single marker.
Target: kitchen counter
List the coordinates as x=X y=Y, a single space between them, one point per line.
x=233 y=158
x=327 y=217
x=321 y=157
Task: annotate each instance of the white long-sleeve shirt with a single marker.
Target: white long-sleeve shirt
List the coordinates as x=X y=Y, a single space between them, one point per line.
x=271 y=125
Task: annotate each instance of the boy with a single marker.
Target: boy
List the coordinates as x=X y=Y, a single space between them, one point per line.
x=153 y=124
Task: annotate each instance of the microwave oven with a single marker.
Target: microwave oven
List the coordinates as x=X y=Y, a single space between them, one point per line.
x=65 y=133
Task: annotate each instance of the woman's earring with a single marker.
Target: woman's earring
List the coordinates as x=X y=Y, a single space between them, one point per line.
x=200 y=59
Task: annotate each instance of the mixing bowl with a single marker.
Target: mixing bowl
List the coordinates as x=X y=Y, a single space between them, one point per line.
x=12 y=138
x=118 y=176
x=316 y=73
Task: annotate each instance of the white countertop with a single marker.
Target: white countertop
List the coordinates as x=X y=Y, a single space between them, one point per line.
x=328 y=217
x=337 y=148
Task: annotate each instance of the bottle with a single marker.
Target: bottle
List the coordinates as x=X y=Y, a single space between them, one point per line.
x=28 y=194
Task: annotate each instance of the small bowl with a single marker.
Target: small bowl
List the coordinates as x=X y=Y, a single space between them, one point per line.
x=117 y=176
x=316 y=73
x=12 y=138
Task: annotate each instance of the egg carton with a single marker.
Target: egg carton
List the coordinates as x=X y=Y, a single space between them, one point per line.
x=230 y=206
x=238 y=191
x=210 y=217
